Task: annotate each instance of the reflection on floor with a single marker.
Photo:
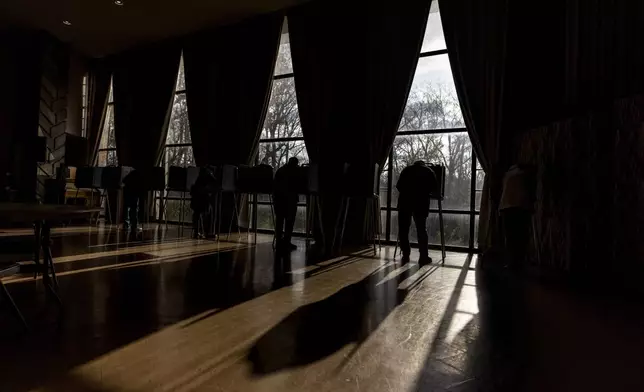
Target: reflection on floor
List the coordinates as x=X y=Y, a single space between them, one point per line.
x=162 y=312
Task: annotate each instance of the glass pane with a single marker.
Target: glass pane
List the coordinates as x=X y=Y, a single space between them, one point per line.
x=265 y=220
x=384 y=178
x=84 y=122
x=284 y=65
x=383 y=224
x=282 y=117
x=476 y=231
x=181 y=76
x=84 y=96
x=480 y=178
x=108 y=139
x=300 y=220
x=176 y=194
x=264 y=198
x=457 y=229
x=107 y=158
x=434 y=38
x=173 y=210
x=179 y=156
x=110 y=97
x=453 y=150
x=179 y=127
x=277 y=154
x=432 y=102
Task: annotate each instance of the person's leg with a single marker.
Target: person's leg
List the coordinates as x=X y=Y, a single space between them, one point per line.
x=420 y=220
x=195 y=223
x=289 y=223
x=128 y=201
x=404 y=221
x=280 y=217
x=134 y=213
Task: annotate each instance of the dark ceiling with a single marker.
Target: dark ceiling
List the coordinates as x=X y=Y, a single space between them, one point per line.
x=100 y=27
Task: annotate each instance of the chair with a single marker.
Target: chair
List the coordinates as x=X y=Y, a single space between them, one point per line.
x=89 y=178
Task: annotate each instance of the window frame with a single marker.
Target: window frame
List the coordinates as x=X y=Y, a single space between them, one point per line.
x=471 y=212
x=108 y=109
x=84 y=101
x=162 y=195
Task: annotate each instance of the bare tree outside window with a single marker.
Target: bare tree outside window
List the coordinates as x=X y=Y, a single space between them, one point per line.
x=178 y=150
x=282 y=117
x=178 y=145
x=431 y=129
x=107 y=145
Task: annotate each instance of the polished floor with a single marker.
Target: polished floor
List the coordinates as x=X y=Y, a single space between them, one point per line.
x=162 y=312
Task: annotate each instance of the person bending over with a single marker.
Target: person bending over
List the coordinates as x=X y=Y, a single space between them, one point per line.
x=201 y=195
x=415 y=185
x=133 y=194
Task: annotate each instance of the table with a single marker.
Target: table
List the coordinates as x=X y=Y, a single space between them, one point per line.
x=42 y=215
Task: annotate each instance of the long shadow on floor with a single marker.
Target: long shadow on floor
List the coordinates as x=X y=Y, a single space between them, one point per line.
x=487 y=353
x=319 y=329
x=109 y=309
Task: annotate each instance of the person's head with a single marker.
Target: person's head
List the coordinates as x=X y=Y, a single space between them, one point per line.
x=293 y=162
x=420 y=163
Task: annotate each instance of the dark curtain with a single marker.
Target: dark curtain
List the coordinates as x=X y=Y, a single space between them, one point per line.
x=20 y=78
x=229 y=72
x=588 y=150
x=589 y=216
x=144 y=83
x=98 y=86
x=353 y=71
x=588 y=56
x=552 y=83
x=475 y=34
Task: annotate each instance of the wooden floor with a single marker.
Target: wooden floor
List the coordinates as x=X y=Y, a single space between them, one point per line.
x=162 y=312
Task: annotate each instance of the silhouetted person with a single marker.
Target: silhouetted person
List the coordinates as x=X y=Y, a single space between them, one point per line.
x=285 y=198
x=133 y=193
x=516 y=207
x=416 y=183
x=201 y=194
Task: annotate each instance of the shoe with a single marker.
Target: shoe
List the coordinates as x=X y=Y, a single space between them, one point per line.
x=404 y=259
x=425 y=260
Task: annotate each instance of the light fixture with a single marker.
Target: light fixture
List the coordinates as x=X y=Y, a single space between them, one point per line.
x=67 y=23
x=119 y=2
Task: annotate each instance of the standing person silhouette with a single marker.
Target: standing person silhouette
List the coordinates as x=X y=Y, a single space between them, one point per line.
x=416 y=183
x=286 y=198
x=133 y=194
x=201 y=194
